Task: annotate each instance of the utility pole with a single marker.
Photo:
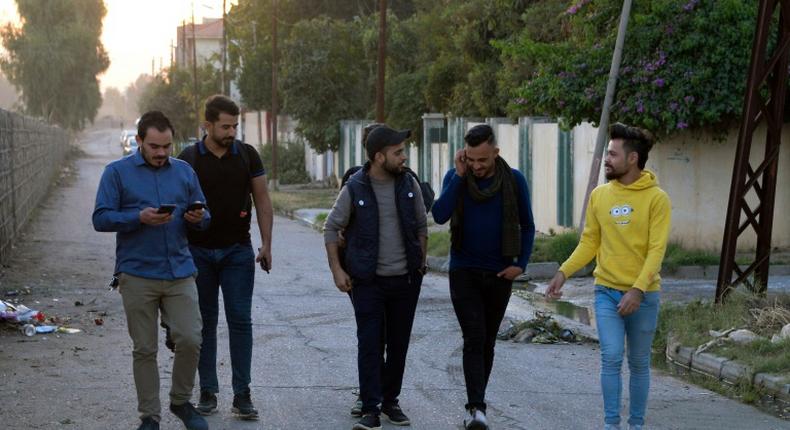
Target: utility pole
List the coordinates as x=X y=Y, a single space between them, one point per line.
x=153 y=64
x=172 y=50
x=603 y=124
x=274 y=96
x=381 y=61
x=194 y=73
x=225 y=89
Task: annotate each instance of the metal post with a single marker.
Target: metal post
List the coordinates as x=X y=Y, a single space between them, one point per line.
x=194 y=72
x=224 y=50
x=274 y=95
x=603 y=124
x=382 y=58
x=764 y=100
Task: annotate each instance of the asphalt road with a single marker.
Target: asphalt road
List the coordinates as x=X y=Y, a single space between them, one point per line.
x=304 y=364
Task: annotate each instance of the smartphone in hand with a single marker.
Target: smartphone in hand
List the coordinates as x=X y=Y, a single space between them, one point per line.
x=195 y=206
x=166 y=209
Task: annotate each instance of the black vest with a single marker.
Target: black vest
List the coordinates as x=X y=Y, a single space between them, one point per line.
x=362 y=232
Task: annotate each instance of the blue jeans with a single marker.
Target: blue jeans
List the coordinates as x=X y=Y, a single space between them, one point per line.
x=232 y=269
x=638 y=330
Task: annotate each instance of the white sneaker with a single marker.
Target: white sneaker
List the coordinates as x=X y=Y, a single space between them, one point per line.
x=476 y=420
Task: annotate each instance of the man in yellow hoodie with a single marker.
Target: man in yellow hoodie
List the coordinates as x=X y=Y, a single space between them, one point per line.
x=626 y=229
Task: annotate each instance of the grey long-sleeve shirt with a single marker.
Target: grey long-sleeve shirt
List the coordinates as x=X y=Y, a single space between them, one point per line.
x=392 y=252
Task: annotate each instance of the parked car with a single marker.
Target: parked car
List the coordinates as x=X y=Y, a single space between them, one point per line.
x=130 y=145
x=125 y=134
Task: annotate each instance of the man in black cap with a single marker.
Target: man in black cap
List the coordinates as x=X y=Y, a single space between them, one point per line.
x=382 y=214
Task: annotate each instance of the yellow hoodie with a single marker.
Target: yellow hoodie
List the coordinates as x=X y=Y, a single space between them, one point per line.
x=626 y=230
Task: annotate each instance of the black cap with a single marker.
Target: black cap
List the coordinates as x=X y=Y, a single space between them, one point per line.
x=383 y=136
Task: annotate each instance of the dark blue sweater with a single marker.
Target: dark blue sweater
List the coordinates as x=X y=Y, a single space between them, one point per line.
x=482 y=229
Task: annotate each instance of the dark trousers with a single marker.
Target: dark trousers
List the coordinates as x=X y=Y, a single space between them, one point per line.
x=383 y=304
x=479 y=299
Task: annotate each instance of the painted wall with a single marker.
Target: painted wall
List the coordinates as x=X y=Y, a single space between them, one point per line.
x=544 y=176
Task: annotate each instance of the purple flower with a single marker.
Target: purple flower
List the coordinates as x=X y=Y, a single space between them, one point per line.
x=659 y=83
x=673 y=106
x=690 y=5
x=681 y=125
x=688 y=99
x=640 y=108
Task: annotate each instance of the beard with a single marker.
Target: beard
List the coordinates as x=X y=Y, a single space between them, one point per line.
x=394 y=169
x=613 y=173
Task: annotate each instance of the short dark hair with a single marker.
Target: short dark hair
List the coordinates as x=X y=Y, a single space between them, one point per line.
x=366 y=131
x=480 y=134
x=634 y=139
x=155 y=119
x=217 y=104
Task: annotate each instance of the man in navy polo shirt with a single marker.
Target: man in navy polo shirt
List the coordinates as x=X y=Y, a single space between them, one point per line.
x=492 y=231
x=144 y=198
x=229 y=171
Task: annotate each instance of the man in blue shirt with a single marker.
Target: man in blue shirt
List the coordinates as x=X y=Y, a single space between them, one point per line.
x=492 y=231
x=147 y=198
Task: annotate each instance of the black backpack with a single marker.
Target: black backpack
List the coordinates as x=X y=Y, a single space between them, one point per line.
x=425 y=188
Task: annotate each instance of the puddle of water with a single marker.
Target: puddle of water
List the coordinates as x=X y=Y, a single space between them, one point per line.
x=582 y=314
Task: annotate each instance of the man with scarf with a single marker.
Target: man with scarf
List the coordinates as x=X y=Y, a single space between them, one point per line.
x=492 y=231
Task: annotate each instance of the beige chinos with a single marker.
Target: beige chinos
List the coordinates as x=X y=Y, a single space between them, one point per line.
x=142 y=300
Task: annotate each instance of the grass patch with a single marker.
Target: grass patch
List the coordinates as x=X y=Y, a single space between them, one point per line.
x=439 y=243
x=554 y=247
x=677 y=256
x=320 y=219
x=290 y=200
x=692 y=322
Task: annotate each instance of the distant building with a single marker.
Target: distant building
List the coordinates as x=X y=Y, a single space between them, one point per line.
x=207 y=41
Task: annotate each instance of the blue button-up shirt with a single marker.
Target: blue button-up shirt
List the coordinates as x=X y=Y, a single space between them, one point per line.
x=130 y=185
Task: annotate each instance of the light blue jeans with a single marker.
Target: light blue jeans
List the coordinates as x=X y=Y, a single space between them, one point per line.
x=613 y=331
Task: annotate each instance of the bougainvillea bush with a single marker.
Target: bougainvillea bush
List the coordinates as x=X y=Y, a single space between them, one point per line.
x=685 y=64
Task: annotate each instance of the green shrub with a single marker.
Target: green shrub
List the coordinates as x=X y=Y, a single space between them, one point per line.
x=554 y=247
x=439 y=243
x=290 y=162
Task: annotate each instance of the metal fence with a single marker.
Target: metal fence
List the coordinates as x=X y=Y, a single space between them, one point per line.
x=31 y=154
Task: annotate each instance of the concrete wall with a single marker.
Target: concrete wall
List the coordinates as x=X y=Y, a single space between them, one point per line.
x=696 y=171
x=544 y=176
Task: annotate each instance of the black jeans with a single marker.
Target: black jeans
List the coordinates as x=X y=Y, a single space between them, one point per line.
x=479 y=299
x=383 y=304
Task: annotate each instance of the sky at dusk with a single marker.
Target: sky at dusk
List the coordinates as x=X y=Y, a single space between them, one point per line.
x=137 y=31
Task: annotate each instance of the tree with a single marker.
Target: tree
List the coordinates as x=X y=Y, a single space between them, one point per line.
x=54 y=59
x=684 y=64
x=325 y=78
x=172 y=93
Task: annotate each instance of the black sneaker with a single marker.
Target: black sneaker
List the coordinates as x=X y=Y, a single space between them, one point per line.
x=368 y=422
x=207 y=404
x=189 y=416
x=395 y=415
x=476 y=420
x=243 y=408
x=149 y=424
x=356 y=410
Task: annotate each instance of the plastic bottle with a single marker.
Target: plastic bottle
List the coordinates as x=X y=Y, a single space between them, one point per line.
x=28 y=330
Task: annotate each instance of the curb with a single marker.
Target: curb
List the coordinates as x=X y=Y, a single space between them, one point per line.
x=724 y=369
x=546 y=270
